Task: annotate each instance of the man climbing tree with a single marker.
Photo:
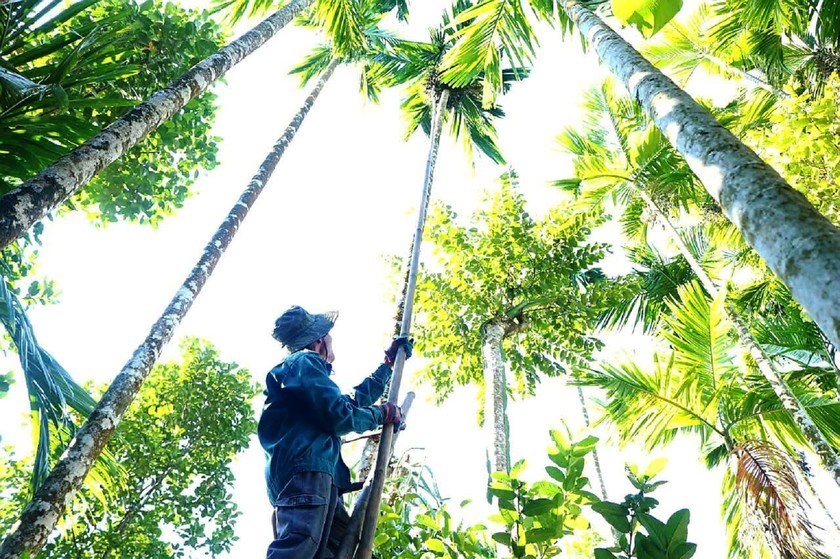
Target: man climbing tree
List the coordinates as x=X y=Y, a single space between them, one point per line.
x=302 y=421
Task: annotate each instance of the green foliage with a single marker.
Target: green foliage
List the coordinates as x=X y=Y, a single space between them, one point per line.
x=69 y=75
x=175 y=444
x=639 y=533
x=415 y=522
x=648 y=16
x=419 y=68
x=801 y=143
x=538 y=277
x=52 y=391
x=535 y=517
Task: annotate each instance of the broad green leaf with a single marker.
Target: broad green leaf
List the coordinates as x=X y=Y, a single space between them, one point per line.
x=655 y=467
x=435 y=545
x=614 y=514
x=648 y=16
x=537 y=507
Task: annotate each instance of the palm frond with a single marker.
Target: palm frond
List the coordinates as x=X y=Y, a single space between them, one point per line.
x=52 y=391
x=655 y=281
x=485 y=33
x=313 y=64
x=765 y=482
x=651 y=407
x=760 y=414
x=698 y=331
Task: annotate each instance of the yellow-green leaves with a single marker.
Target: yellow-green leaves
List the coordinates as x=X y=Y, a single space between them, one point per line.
x=535 y=517
x=648 y=16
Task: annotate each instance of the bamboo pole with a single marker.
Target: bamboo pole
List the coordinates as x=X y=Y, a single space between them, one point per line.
x=384 y=454
x=354 y=528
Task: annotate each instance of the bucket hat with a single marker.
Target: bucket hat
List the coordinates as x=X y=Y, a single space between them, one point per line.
x=297 y=328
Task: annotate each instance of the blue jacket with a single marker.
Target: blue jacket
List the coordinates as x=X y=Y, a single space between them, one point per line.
x=305 y=414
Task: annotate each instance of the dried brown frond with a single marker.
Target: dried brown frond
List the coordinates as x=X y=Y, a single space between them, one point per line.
x=766 y=482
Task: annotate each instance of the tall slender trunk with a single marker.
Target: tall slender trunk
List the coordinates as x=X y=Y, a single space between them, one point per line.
x=495 y=395
x=595 y=458
x=47 y=505
x=32 y=200
x=798 y=243
x=384 y=454
x=827 y=454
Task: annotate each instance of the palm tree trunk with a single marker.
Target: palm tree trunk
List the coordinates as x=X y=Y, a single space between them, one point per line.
x=384 y=454
x=798 y=243
x=830 y=459
x=47 y=505
x=32 y=200
x=595 y=458
x=495 y=394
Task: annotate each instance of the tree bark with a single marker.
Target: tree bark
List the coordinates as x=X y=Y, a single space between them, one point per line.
x=35 y=198
x=365 y=549
x=830 y=459
x=495 y=394
x=47 y=505
x=798 y=244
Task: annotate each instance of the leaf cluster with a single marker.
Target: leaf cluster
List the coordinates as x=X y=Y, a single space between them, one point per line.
x=535 y=517
x=538 y=277
x=639 y=533
x=172 y=497
x=415 y=521
x=70 y=71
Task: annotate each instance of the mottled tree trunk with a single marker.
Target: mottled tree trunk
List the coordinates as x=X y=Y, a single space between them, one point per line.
x=383 y=455
x=48 y=504
x=827 y=454
x=32 y=200
x=798 y=244
x=495 y=394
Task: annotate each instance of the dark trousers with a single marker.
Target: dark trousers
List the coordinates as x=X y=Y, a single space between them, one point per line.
x=309 y=519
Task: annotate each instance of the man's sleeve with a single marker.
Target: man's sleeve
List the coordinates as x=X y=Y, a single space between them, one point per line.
x=370 y=389
x=336 y=412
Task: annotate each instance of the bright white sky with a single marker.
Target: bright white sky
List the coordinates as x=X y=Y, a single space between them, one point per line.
x=343 y=197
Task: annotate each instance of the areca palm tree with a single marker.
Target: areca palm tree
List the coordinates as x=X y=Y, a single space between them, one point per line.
x=643 y=163
x=69 y=473
x=698 y=388
x=43 y=511
x=37 y=196
x=770 y=215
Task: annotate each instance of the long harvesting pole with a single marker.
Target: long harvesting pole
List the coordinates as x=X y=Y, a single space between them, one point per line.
x=384 y=453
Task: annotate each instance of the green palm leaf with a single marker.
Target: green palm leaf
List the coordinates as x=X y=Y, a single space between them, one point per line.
x=487 y=32
x=699 y=333
x=52 y=391
x=651 y=407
